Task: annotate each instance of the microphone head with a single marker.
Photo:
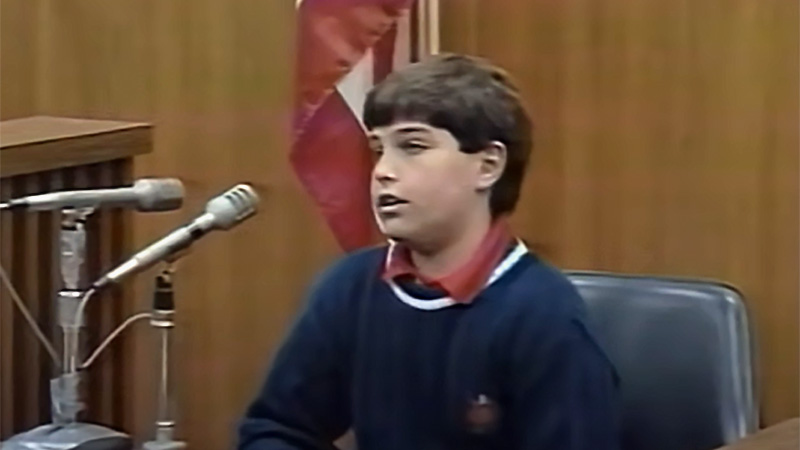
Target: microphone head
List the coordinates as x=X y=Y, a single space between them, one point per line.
x=233 y=206
x=158 y=194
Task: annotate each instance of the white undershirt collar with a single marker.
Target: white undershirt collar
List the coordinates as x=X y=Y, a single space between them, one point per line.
x=438 y=303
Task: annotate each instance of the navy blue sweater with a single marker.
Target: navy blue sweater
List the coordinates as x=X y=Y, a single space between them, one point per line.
x=516 y=369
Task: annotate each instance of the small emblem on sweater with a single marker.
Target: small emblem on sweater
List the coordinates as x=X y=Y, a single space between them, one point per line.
x=483 y=415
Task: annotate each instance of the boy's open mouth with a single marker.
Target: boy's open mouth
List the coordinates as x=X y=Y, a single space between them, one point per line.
x=389 y=202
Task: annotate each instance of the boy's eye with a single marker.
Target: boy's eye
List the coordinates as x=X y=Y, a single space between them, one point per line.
x=413 y=146
x=376 y=148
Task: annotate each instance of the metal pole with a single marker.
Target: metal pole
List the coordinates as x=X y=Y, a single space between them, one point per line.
x=163 y=321
x=65 y=390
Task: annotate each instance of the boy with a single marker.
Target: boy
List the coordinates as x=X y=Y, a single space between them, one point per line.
x=454 y=336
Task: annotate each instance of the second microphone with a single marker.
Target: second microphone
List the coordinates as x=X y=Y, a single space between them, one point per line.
x=221 y=213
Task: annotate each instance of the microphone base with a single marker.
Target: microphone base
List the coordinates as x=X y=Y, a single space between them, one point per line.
x=164 y=445
x=163 y=439
x=71 y=436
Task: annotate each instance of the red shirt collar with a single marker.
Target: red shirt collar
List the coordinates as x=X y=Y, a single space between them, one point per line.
x=464 y=284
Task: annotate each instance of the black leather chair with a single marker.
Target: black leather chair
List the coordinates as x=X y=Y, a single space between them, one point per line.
x=682 y=349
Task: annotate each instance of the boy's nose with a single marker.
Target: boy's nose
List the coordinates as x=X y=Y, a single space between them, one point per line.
x=383 y=171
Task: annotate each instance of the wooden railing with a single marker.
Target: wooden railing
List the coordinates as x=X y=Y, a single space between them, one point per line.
x=43 y=154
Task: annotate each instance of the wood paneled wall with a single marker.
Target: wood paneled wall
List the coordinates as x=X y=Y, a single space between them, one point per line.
x=214 y=77
x=667 y=143
x=19 y=26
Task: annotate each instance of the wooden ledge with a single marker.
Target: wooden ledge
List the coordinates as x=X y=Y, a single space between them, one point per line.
x=40 y=143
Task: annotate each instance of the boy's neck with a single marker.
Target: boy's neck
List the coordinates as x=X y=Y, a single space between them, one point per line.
x=436 y=261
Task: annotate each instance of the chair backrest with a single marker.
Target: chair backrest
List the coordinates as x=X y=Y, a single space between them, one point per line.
x=682 y=349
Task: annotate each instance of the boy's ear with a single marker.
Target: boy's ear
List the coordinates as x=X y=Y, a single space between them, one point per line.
x=492 y=164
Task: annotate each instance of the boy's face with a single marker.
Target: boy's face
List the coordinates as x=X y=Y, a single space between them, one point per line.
x=424 y=188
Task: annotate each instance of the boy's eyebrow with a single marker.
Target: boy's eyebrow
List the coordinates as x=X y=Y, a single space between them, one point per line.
x=412 y=129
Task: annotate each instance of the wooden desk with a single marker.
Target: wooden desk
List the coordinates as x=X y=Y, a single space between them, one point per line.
x=42 y=143
x=784 y=436
x=43 y=154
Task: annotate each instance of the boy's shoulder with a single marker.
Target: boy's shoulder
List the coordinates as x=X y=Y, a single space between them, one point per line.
x=358 y=262
x=338 y=287
x=543 y=288
x=543 y=300
x=351 y=269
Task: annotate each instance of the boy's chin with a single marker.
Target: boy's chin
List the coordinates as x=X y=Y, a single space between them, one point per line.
x=395 y=236
x=394 y=232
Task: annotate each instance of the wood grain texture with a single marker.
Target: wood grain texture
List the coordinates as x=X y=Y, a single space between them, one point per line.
x=8 y=320
x=30 y=356
x=214 y=77
x=40 y=143
x=783 y=436
x=18 y=38
x=667 y=143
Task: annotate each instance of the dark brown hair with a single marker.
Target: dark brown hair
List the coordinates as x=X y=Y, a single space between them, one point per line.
x=469 y=97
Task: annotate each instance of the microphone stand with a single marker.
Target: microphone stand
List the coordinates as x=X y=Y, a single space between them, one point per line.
x=163 y=322
x=66 y=431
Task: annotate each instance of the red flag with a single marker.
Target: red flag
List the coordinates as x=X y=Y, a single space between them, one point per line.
x=343 y=48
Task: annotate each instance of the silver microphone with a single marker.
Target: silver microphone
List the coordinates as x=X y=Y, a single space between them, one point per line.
x=221 y=213
x=147 y=194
